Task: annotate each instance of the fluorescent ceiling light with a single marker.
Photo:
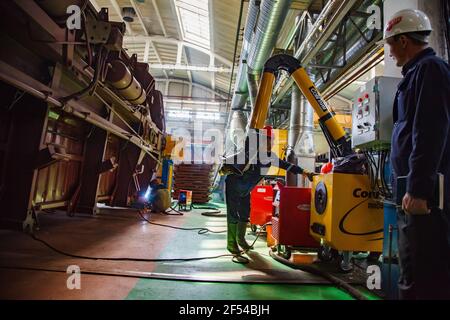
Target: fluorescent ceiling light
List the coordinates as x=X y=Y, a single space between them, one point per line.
x=193 y=102
x=197 y=115
x=207 y=116
x=179 y=114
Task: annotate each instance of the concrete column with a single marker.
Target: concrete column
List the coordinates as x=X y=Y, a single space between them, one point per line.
x=433 y=9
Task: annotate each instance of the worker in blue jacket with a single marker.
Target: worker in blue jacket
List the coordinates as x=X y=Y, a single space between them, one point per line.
x=244 y=171
x=421 y=150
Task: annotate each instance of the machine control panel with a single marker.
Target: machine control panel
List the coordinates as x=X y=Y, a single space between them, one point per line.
x=372 y=113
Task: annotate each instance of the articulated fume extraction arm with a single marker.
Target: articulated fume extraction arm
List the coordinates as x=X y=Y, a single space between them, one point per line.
x=337 y=138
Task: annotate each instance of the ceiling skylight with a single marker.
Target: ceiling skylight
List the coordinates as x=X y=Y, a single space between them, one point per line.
x=194 y=21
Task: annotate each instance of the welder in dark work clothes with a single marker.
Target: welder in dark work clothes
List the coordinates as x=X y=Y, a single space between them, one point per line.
x=241 y=179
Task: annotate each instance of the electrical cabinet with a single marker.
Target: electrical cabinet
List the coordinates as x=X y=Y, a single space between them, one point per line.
x=372 y=113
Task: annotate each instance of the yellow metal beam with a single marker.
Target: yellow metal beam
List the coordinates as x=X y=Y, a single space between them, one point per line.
x=311 y=93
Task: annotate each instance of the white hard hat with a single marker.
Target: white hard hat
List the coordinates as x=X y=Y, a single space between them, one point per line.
x=408 y=21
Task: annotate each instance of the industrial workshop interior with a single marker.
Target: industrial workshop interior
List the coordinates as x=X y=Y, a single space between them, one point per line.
x=251 y=150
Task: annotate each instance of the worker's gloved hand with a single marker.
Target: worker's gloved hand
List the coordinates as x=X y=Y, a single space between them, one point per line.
x=295 y=169
x=310 y=175
x=227 y=170
x=306 y=173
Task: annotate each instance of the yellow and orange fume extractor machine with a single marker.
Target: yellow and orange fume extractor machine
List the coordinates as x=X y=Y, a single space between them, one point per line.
x=340 y=220
x=345 y=213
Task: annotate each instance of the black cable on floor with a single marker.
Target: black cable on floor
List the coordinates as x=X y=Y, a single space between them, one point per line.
x=314 y=270
x=259 y=232
x=237 y=258
x=244 y=260
x=215 y=211
x=178 y=213
x=201 y=230
x=147 y=275
x=358 y=265
x=215 y=214
x=205 y=207
x=127 y=259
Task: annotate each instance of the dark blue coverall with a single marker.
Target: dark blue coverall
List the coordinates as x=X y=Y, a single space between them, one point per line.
x=238 y=187
x=421 y=149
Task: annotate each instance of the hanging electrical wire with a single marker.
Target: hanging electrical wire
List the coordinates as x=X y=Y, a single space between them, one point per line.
x=376 y=170
x=17 y=96
x=101 y=58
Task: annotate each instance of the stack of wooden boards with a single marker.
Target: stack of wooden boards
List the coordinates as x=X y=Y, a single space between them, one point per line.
x=195 y=177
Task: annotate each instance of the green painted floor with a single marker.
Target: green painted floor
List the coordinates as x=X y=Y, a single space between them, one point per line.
x=185 y=290
x=190 y=244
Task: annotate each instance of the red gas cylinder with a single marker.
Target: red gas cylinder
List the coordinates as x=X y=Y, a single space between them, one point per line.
x=261 y=199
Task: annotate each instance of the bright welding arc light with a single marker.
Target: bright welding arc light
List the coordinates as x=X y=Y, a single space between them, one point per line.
x=147 y=193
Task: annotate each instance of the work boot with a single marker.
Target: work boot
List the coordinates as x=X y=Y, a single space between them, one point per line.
x=231 y=238
x=240 y=236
